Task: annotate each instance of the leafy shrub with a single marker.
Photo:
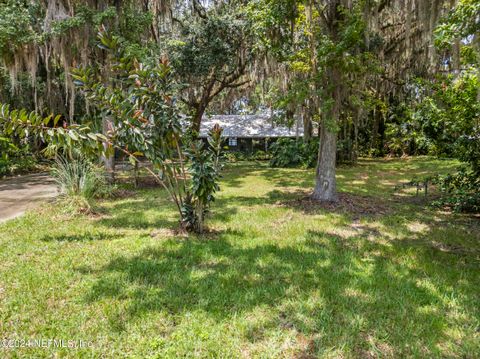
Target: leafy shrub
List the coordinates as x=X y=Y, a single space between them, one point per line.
x=468 y=149
x=260 y=156
x=14 y=159
x=9 y=166
x=449 y=116
x=241 y=156
x=310 y=156
x=204 y=168
x=80 y=182
x=461 y=191
x=287 y=152
x=235 y=156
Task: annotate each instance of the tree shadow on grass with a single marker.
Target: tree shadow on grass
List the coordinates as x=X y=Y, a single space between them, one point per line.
x=291 y=177
x=324 y=284
x=152 y=210
x=80 y=237
x=222 y=211
x=232 y=175
x=273 y=197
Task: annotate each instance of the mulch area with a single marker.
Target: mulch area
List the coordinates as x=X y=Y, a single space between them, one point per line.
x=353 y=204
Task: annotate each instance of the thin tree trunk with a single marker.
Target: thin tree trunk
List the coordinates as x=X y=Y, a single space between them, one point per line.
x=200 y=218
x=313 y=101
x=307 y=124
x=355 y=140
x=109 y=158
x=135 y=174
x=107 y=122
x=376 y=125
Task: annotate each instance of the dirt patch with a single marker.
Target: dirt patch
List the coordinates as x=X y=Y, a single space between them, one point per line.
x=353 y=204
x=307 y=347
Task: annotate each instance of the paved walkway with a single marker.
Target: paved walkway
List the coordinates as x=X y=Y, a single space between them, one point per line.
x=18 y=194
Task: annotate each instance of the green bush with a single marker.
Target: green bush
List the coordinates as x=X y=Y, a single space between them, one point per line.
x=241 y=156
x=234 y=156
x=204 y=168
x=15 y=165
x=14 y=159
x=261 y=156
x=461 y=191
x=287 y=152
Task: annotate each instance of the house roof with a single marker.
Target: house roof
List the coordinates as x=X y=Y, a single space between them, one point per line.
x=248 y=126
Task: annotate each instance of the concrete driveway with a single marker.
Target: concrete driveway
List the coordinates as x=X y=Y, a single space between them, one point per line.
x=19 y=194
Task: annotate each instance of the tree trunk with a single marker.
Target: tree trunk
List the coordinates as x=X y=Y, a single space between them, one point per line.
x=109 y=158
x=355 y=141
x=197 y=117
x=109 y=163
x=326 y=185
x=376 y=125
x=135 y=174
x=200 y=219
x=307 y=125
x=313 y=101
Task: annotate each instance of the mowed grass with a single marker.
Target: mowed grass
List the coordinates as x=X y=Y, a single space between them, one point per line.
x=273 y=279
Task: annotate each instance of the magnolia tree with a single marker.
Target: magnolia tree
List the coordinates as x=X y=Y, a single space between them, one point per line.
x=145 y=123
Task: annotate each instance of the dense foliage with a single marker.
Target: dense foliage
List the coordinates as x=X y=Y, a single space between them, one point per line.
x=461 y=191
x=288 y=152
x=14 y=158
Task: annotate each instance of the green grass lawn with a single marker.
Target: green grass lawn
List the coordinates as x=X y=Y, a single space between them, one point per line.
x=276 y=277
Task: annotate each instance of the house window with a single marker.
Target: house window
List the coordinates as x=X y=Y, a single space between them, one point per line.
x=232 y=141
